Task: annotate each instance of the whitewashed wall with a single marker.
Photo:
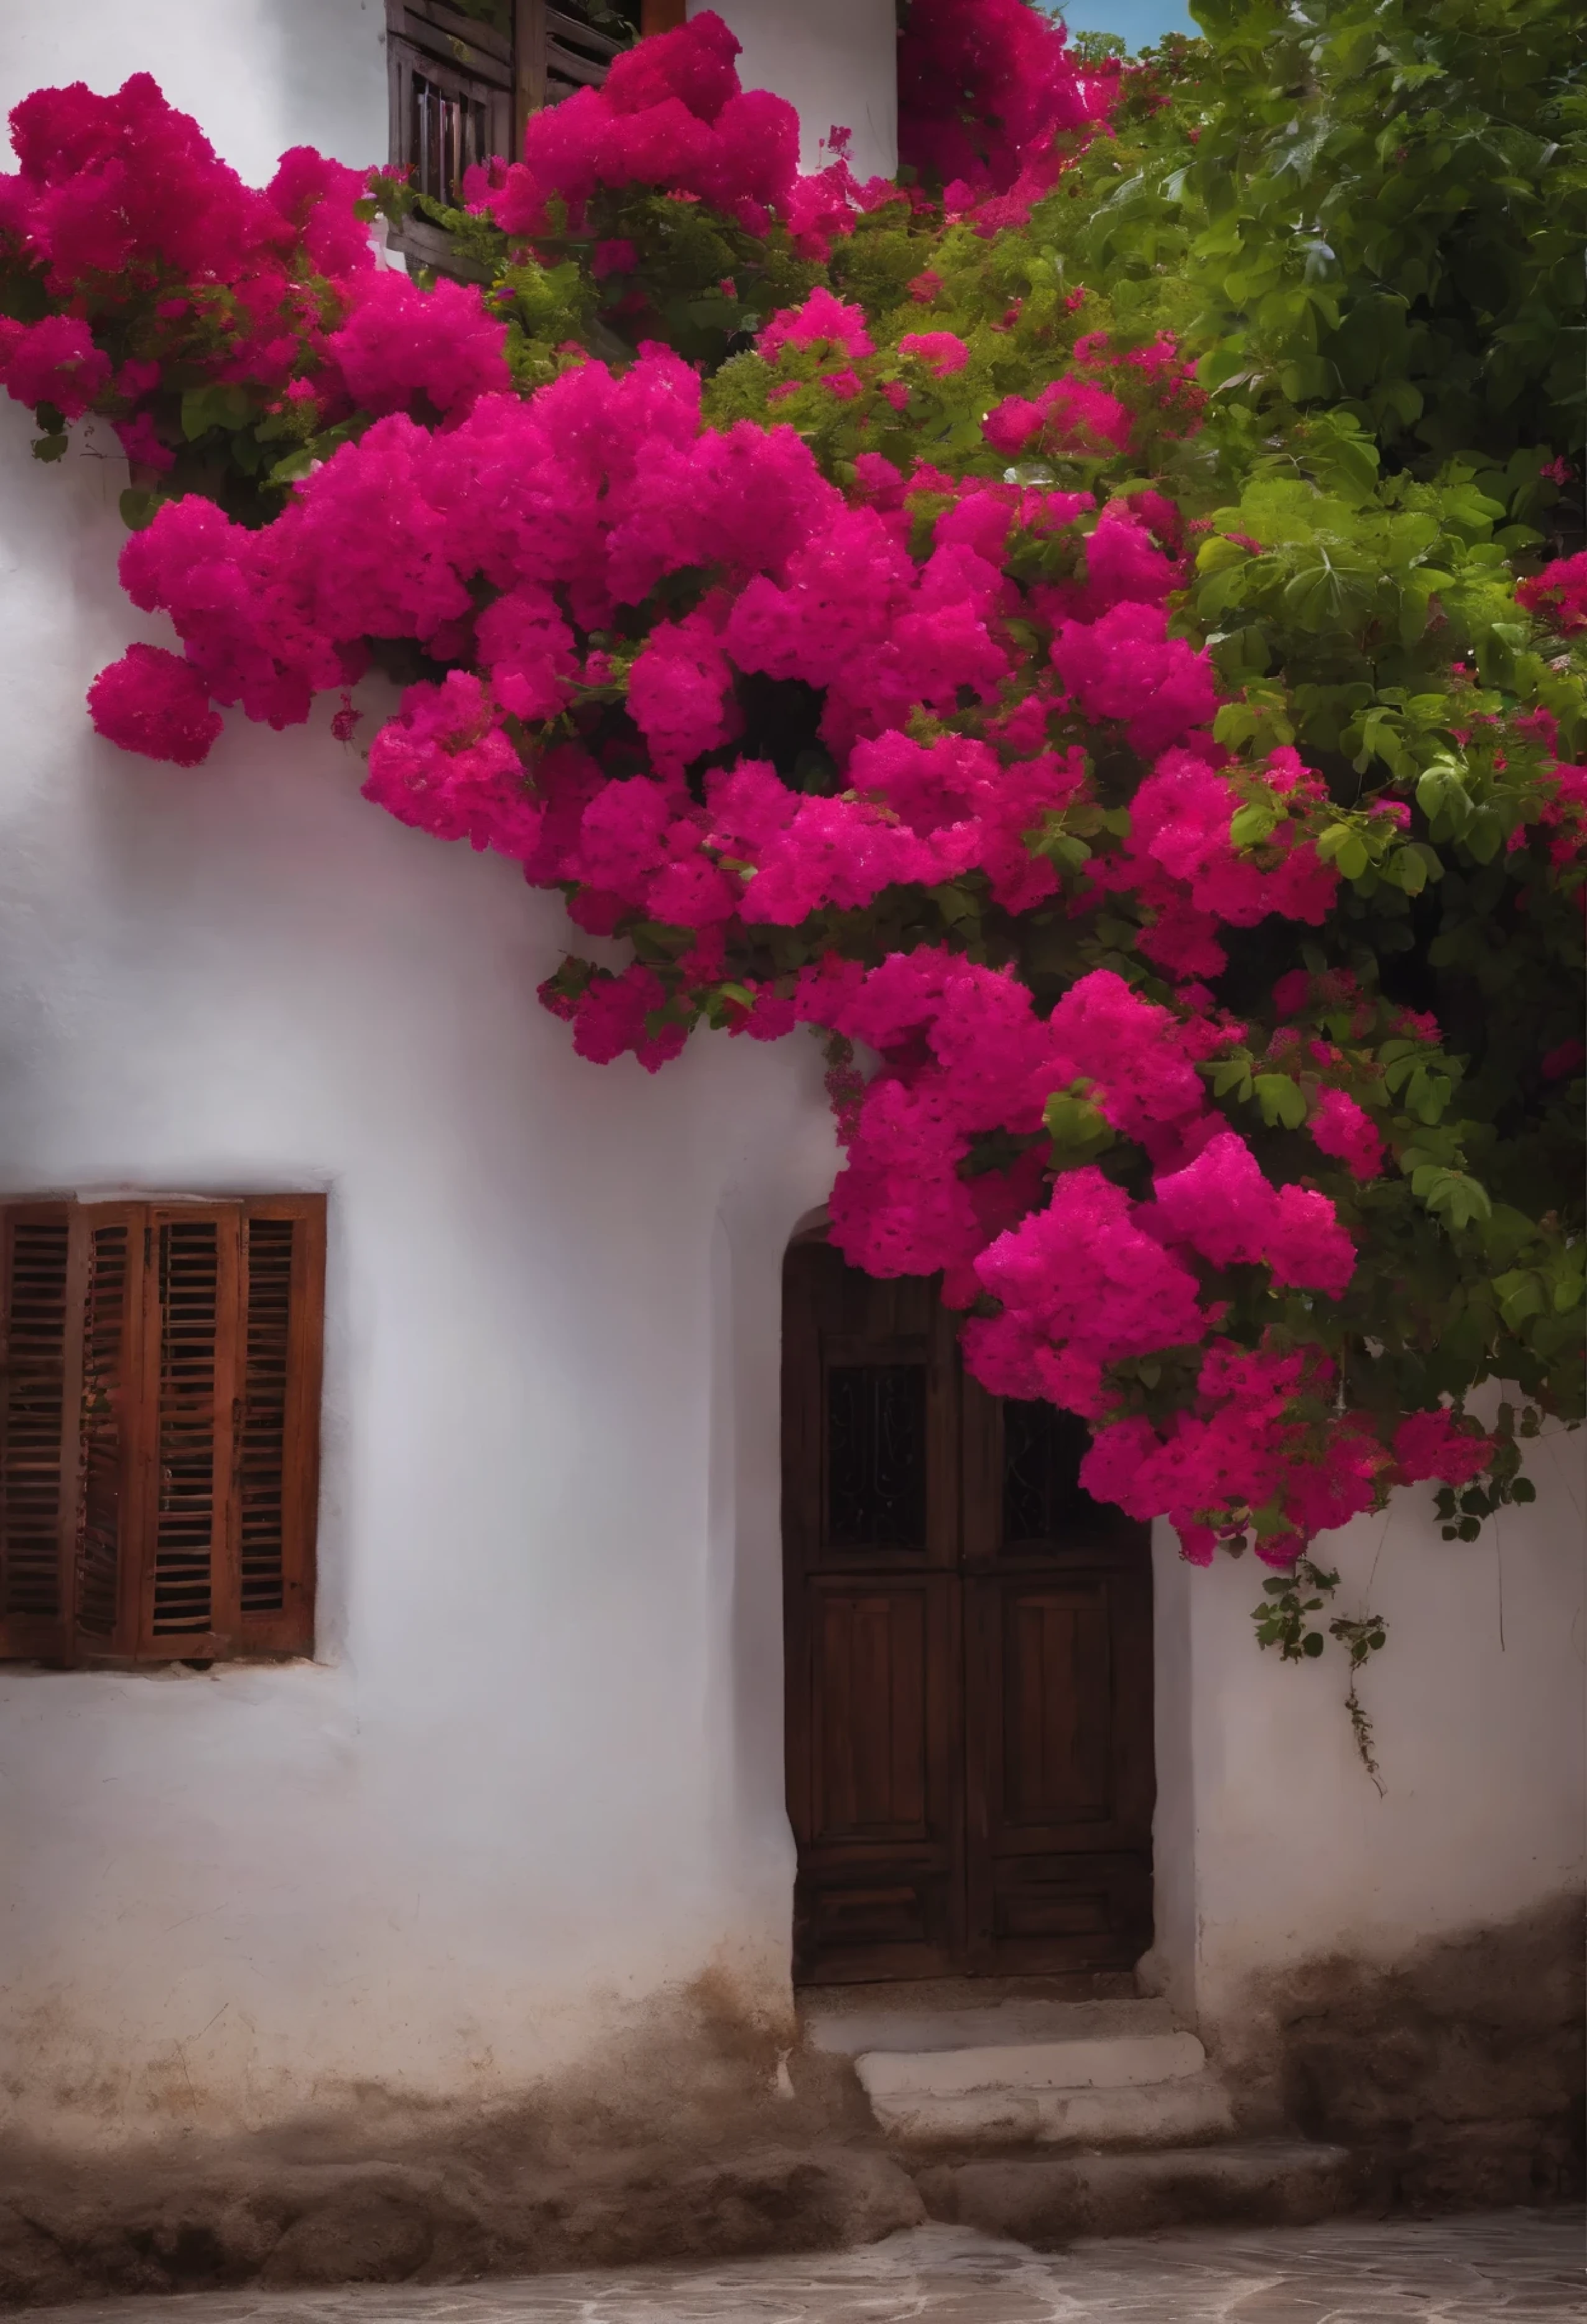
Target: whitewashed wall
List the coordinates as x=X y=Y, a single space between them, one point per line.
x=535 y=1779
x=1272 y=1845
x=534 y=1784
x=506 y=1808
x=836 y=60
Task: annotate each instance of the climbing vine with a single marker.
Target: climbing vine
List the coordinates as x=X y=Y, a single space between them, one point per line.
x=1094 y=628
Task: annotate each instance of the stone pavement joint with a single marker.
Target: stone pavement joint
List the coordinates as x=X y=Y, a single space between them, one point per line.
x=1504 y=2267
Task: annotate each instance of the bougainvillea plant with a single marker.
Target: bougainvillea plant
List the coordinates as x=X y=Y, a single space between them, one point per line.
x=885 y=608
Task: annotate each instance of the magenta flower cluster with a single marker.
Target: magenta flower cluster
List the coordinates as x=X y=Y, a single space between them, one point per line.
x=670 y=114
x=275 y=293
x=514 y=543
x=608 y=585
x=986 y=96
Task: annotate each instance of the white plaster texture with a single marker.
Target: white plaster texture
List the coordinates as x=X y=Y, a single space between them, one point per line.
x=514 y=1799
x=511 y=1804
x=258 y=75
x=835 y=61
x=1273 y=1846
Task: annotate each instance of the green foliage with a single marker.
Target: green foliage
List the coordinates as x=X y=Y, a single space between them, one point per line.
x=1366 y=221
x=1283 y=1619
x=1390 y=208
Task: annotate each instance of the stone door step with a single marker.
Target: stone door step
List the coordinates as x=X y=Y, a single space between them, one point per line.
x=1125 y=2084
x=847 y=2023
x=1048 y=2199
x=1124 y=2114
x=1101 y=2062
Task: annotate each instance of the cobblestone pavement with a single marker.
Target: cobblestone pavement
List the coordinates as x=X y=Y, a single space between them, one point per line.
x=1497 y=2269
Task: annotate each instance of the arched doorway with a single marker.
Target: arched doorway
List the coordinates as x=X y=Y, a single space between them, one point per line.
x=969 y=1644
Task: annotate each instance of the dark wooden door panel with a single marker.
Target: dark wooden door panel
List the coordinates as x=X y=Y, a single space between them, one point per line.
x=1065 y=1911
x=854 y=1925
x=968 y=1658
x=876 y=1751
x=1054 y=1685
x=1051 y=1661
x=871 y=1771
x=1058 y=1683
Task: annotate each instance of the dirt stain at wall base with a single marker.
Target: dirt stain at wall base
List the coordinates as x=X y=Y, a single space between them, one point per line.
x=1456 y=2073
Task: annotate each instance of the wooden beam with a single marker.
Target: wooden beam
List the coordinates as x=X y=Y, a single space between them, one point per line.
x=662 y=15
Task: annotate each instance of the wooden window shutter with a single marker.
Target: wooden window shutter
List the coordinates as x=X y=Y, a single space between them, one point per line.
x=108 y=1241
x=171 y=1352
x=41 y=1355
x=574 y=51
x=276 y=1445
x=463 y=76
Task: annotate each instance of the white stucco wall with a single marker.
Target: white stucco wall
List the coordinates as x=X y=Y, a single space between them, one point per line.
x=535 y=1781
x=505 y=1811
x=514 y=1801
x=1273 y=1846
x=836 y=60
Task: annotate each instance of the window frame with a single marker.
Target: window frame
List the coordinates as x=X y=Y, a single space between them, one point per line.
x=182 y=1449
x=549 y=54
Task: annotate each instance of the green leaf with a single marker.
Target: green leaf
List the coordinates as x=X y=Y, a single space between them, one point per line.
x=219 y=405
x=1520 y=1295
x=1252 y=824
x=1456 y=1197
x=1282 y=1101
x=1217 y=555
x=955 y=903
x=1340 y=844
x=1236 y=723
x=1064 y=849
x=1076 y=1127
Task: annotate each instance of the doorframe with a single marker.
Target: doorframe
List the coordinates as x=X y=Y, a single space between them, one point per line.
x=975 y=1880
x=777 y=1189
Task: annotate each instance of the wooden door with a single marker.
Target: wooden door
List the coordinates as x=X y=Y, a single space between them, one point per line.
x=968 y=1658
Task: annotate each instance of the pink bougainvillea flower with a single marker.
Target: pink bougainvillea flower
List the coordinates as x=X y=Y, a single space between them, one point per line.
x=54 y=361
x=1344 y=1129
x=943 y=352
x=152 y=702
x=821 y=320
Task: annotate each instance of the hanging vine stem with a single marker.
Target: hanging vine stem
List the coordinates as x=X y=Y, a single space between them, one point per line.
x=1283 y=1620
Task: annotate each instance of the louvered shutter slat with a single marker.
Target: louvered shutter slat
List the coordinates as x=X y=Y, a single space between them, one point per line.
x=191 y=1291
x=276 y=1454
x=262 y=1425
x=159 y=1428
x=107 y=1574
x=38 y=1431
